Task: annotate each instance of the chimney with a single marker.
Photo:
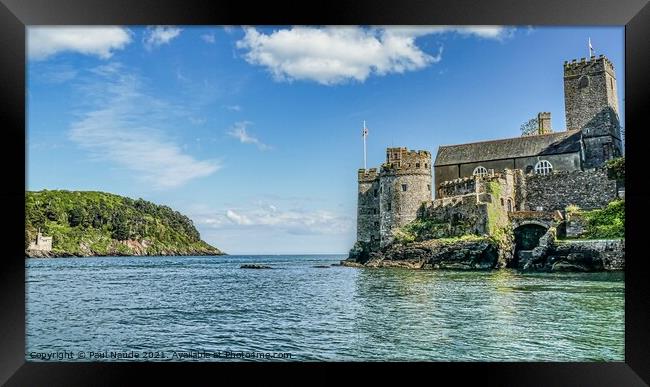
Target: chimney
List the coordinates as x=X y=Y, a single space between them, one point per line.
x=544 y=122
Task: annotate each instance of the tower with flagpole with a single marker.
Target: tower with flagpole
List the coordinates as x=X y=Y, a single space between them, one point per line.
x=591 y=49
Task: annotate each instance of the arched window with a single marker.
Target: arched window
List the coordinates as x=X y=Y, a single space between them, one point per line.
x=509 y=205
x=543 y=167
x=480 y=171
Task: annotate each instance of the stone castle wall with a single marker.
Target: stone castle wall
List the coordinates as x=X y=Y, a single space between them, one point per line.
x=589 y=87
x=585 y=189
x=390 y=198
x=368 y=207
x=457 y=187
x=507 y=181
x=401 y=195
x=460 y=215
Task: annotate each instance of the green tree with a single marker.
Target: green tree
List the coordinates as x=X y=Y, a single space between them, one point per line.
x=77 y=216
x=529 y=127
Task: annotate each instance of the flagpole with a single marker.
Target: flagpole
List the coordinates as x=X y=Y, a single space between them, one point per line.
x=365 y=133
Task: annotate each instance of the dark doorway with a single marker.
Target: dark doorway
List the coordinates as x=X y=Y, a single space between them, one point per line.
x=527 y=236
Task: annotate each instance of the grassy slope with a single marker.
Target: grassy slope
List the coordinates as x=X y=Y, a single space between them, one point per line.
x=98 y=223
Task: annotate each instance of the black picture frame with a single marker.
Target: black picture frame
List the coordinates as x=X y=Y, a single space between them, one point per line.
x=16 y=14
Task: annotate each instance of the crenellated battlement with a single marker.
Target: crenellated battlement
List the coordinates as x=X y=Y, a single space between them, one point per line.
x=403 y=161
x=477 y=192
x=588 y=66
x=389 y=196
x=367 y=175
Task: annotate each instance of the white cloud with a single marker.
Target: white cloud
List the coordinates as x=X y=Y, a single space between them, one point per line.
x=239 y=132
x=484 y=32
x=270 y=217
x=237 y=218
x=52 y=73
x=125 y=126
x=233 y=108
x=43 y=42
x=157 y=36
x=208 y=38
x=334 y=55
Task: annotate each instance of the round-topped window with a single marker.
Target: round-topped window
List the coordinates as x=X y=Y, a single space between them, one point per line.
x=543 y=167
x=480 y=171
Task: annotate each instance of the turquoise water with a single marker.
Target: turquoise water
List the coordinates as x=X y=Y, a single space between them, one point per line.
x=189 y=308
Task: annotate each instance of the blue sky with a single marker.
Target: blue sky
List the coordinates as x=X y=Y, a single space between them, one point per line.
x=255 y=133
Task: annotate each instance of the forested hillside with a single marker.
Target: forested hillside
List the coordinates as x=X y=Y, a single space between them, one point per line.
x=84 y=223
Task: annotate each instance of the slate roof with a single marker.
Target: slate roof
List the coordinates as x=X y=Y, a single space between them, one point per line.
x=508 y=148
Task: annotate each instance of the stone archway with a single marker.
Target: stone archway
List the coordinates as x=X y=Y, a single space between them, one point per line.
x=527 y=236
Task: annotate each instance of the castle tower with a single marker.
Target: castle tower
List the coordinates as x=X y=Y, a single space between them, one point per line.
x=404 y=184
x=368 y=208
x=591 y=104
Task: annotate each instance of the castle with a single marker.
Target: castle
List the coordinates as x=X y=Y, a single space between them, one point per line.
x=537 y=175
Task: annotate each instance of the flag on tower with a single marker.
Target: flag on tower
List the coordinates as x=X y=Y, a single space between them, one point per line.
x=591 y=48
x=365 y=130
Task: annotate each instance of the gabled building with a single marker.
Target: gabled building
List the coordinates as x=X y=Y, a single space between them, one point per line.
x=592 y=137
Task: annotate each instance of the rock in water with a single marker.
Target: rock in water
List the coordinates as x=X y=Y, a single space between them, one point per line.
x=254 y=266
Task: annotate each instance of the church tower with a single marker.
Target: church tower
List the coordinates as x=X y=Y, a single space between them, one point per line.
x=591 y=104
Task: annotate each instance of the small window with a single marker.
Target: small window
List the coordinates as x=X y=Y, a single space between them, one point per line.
x=404 y=187
x=417 y=165
x=611 y=83
x=503 y=202
x=480 y=171
x=429 y=187
x=583 y=82
x=509 y=205
x=543 y=167
x=388 y=206
x=375 y=193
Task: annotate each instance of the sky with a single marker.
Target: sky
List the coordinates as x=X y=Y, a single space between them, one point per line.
x=255 y=132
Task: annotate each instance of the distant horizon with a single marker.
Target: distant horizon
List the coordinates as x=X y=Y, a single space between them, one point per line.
x=255 y=133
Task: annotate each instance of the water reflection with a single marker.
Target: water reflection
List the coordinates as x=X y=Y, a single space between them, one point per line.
x=335 y=313
x=493 y=315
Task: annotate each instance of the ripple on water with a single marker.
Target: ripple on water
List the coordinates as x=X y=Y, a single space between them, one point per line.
x=209 y=303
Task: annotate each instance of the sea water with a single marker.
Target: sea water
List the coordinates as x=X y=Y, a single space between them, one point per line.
x=210 y=309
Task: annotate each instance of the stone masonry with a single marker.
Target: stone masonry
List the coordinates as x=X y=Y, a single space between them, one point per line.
x=514 y=179
x=586 y=189
x=390 y=198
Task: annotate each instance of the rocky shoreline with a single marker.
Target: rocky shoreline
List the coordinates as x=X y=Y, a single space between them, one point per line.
x=484 y=253
x=51 y=254
x=138 y=248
